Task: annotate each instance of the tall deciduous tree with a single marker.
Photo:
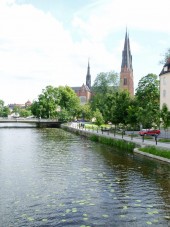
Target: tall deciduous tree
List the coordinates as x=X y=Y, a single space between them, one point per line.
x=147 y=96
x=47 y=103
x=4 y=110
x=165 y=116
x=120 y=109
x=98 y=117
x=68 y=100
x=105 y=84
x=61 y=102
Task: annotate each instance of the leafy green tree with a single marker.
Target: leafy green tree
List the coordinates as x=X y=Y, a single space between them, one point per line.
x=47 y=103
x=4 y=110
x=56 y=103
x=1 y=107
x=98 y=117
x=25 y=112
x=120 y=110
x=132 y=109
x=105 y=82
x=104 y=85
x=63 y=115
x=68 y=100
x=147 y=96
x=165 y=116
x=85 y=112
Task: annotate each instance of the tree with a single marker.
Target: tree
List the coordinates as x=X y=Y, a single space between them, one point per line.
x=120 y=109
x=147 y=96
x=165 y=116
x=56 y=103
x=105 y=82
x=47 y=103
x=132 y=113
x=4 y=110
x=25 y=112
x=85 y=112
x=104 y=85
x=98 y=117
x=68 y=100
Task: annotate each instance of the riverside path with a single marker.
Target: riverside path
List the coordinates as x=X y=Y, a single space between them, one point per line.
x=137 y=140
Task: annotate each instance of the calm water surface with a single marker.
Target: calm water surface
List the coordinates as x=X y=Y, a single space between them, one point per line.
x=49 y=177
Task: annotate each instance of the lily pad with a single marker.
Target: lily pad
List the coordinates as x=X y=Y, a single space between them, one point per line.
x=74 y=210
x=30 y=219
x=44 y=219
x=149 y=223
x=105 y=215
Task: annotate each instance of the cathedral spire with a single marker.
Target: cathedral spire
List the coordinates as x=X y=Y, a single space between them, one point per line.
x=126 y=74
x=88 y=76
x=126 y=54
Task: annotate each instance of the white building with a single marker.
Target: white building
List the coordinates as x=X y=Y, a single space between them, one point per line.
x=165 y=85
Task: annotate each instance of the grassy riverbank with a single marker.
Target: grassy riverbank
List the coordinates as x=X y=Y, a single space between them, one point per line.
x=156 y=151
x=122 y=144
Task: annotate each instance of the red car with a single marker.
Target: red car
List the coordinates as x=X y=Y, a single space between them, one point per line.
x=151 y=132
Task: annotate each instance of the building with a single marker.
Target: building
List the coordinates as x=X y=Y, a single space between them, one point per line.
x=164 y=77
x=126 y=74
x=84 y=92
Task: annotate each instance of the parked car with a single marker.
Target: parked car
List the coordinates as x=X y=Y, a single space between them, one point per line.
x=150 y=132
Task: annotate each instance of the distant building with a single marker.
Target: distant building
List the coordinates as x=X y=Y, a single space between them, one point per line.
x=84 y=92
x=28 y=103
x=22 y=106
x=126 y=74
x=164 y=77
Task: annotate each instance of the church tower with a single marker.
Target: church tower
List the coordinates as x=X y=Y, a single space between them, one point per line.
x=88 y=77
x=126 y=74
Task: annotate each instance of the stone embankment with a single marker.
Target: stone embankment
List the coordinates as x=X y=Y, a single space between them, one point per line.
x=74 y=127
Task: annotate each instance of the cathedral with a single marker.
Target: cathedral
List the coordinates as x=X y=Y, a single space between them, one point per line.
x=126 y=75
x=84 y=92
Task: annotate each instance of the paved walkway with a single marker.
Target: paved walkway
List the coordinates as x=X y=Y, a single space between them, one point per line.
x=137 y=140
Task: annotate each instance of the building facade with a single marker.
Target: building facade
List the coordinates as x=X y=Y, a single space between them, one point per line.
x=164 y=77
x=84 y=92
x=126 y=74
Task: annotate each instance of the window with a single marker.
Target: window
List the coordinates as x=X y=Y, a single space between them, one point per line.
x=164 y=93
x=125 y=81
x=83 y=99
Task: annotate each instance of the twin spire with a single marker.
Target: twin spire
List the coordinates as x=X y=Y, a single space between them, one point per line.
x=126 y=60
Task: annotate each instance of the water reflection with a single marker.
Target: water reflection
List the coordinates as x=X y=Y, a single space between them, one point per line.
x=54 y=178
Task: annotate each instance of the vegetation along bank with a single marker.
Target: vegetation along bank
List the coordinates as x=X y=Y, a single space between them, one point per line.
x=122 y=143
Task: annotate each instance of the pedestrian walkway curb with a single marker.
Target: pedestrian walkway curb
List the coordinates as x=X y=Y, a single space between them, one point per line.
x=138 y=143
x=136 y=150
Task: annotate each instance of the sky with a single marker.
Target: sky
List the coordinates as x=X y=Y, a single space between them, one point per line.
x=49 y=42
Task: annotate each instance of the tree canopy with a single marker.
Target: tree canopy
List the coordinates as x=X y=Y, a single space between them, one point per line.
x=56 y=102
x=147 y=96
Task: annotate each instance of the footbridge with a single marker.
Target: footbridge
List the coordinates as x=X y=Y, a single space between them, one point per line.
x=29 y=123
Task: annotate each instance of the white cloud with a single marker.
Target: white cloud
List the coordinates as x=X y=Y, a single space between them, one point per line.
x=36 y=50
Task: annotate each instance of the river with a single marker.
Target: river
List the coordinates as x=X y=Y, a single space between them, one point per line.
x=50 y=177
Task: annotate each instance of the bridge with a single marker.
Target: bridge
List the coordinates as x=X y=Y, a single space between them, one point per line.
x=29 y=123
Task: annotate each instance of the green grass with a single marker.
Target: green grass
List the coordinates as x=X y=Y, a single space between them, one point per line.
x=94 y=127
x=156 y=151
x=129 y=146
x=164 y=140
